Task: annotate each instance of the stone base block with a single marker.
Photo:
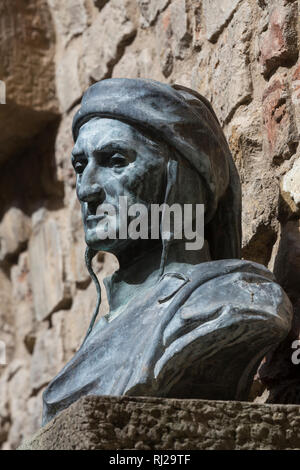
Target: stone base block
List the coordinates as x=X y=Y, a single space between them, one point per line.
x=160 y=423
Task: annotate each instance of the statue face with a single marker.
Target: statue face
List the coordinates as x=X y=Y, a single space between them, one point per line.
x=113 y=159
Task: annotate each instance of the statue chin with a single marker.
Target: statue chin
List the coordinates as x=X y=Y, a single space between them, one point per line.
x=96 y=240
x=107 y=246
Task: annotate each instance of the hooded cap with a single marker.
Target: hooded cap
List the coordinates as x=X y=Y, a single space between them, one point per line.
x=186 y=121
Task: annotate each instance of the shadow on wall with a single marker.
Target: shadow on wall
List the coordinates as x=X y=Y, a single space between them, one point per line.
x=28 y=181
x=279 y=373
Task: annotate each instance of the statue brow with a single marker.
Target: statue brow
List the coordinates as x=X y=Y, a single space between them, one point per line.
x=111 y=146
x=77 y=155
x=104 y=149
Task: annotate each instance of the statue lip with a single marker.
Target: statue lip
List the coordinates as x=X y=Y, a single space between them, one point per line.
x=95 y=217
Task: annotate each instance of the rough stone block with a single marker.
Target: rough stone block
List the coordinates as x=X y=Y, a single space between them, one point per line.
x=160 y=423
x=18 y=393
x=24 y=325
x=20 y=414
x=279 y=42
x=69 y=89
x=22 y=306
x=27 y=48
x=105 y=40
x=295 y=92
x=150 y=9
x=76 y=270
x=50 y=293
x=180 y=28
x=15 y=229
x=291 y=185
x=260 y=190
x=4 y=406
x=128 y=66
x=216 y=15
x=7 y=334
x=231 y=83
x=163 y=40
x=70 y=18
x=137 y=62
x=63 y=148
x=34 y=415
x=281 y=131
x=172 y=36
x=47 y=358
x=20 y=279
x=197 y=24
x=147 y=63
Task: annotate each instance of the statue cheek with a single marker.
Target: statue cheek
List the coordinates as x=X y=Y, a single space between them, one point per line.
x=129 y=180
x=78 y=184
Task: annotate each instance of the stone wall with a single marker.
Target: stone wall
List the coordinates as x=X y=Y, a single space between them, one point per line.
x=240 y=54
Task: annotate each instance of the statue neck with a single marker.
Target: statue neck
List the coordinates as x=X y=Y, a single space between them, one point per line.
x=142 y=272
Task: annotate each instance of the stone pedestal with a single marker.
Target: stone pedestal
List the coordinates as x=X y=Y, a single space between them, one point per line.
x=160 y=424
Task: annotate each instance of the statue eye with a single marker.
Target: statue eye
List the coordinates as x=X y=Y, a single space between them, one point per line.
x=79 y=166
x=118 y=160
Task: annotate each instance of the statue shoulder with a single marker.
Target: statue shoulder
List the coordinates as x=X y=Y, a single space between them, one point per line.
x=231 y=291
x=226 y=279
x=227 y=317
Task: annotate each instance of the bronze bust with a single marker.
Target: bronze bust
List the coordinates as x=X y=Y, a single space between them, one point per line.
x=182 y=323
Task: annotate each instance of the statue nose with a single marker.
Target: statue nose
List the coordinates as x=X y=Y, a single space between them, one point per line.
x=91 y=193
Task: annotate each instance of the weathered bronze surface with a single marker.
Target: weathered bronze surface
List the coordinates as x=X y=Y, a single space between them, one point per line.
x=182 y=324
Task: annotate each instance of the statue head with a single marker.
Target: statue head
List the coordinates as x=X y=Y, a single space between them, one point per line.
x=154 y=143
x=114 y=159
